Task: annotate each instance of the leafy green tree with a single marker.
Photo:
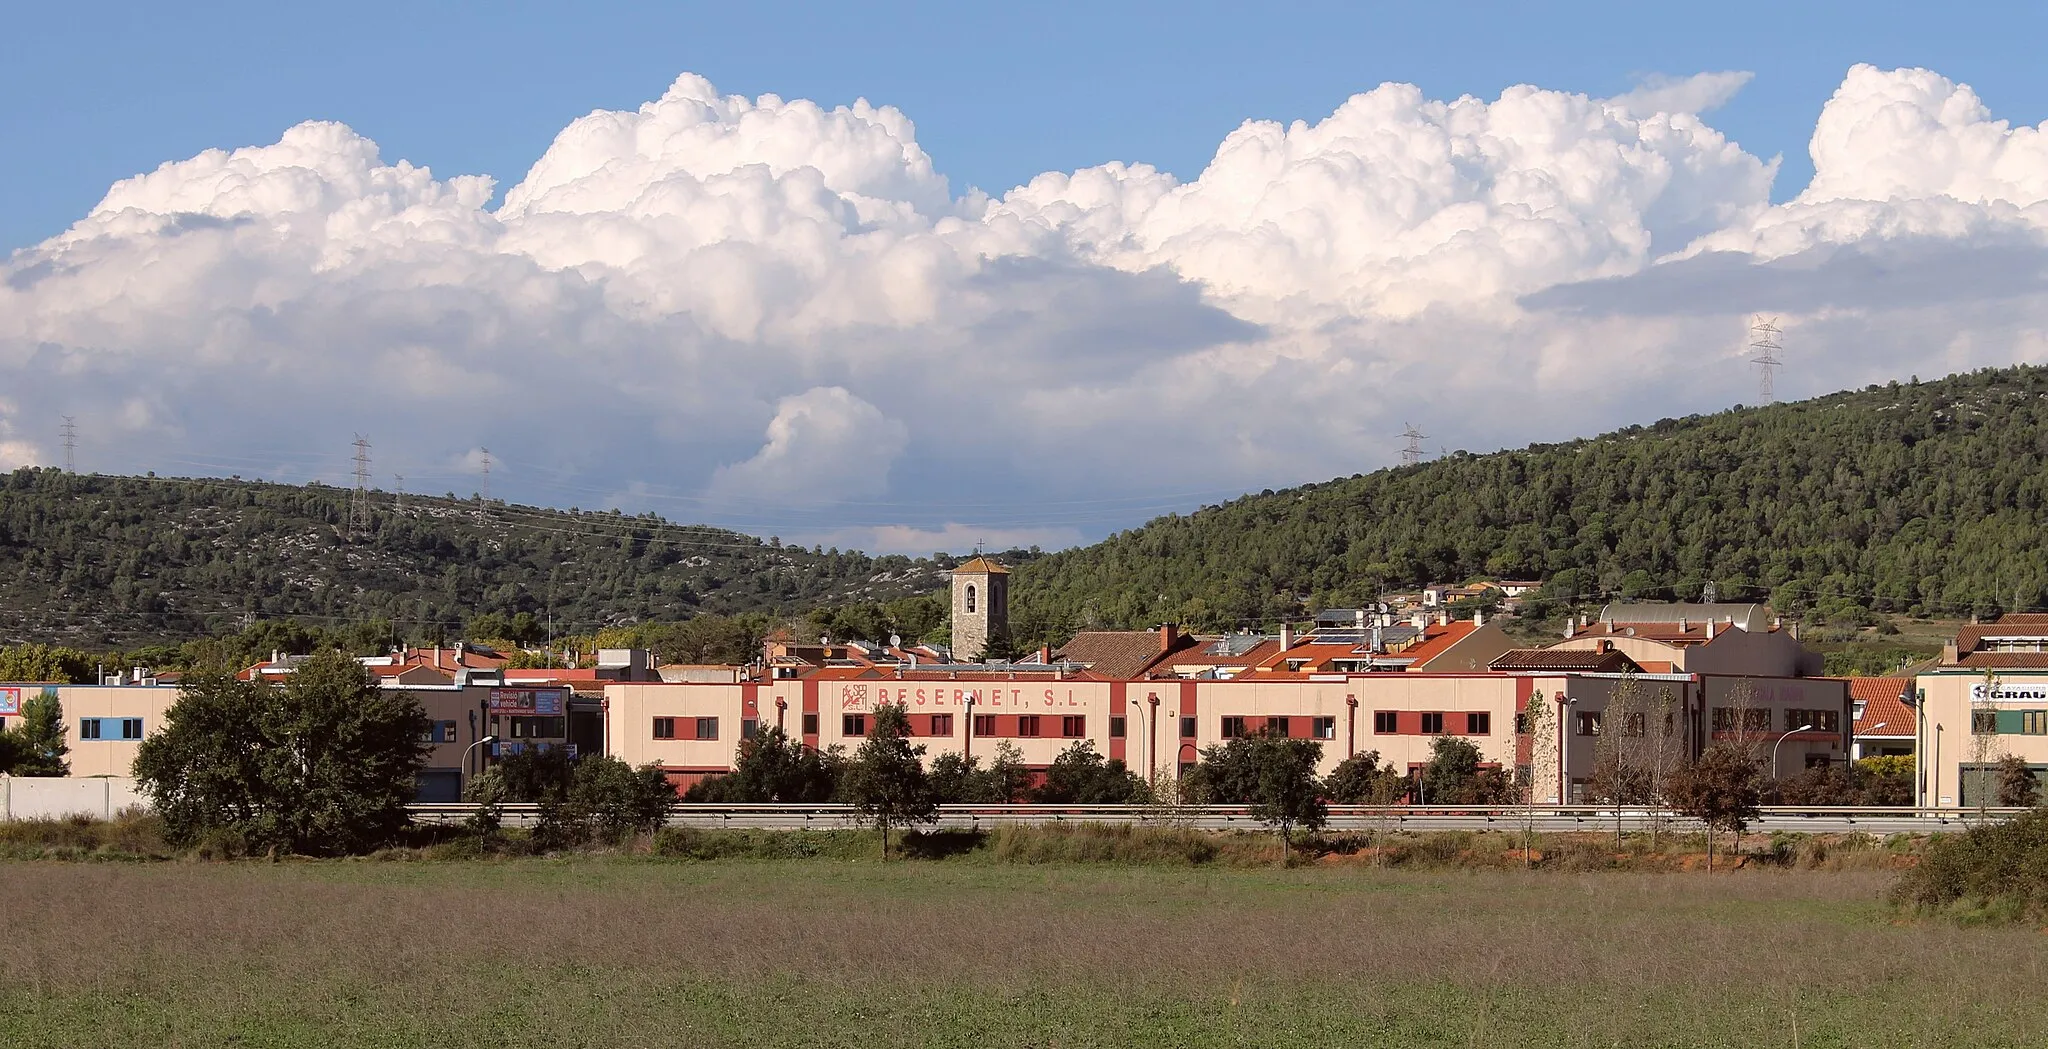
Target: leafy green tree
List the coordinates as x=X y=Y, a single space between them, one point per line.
x=608 y=800
x=886 y=781
x=1006 y=780
x=37 y=747
x=1274 y=775
x=527 y=776
x=1361 y=780
x=775 y=767
x=1720 y=789
x=322 y=764
x=956 y=779
x=1453 y=775
x=1080 y=776
x=34 y=663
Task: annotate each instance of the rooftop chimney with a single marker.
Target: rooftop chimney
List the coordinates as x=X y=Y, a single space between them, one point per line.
x=1169 y=635
x=1044 y=654
x=1683 y=625
x=1286 y=636
x=1602 y=646
x=1478 y=617
x=1710 y=628
x=1569 y=623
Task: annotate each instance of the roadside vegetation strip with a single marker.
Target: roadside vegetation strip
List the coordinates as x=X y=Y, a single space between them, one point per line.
x=605 y=952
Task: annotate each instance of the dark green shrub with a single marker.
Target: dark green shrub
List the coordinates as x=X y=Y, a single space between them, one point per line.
x=1996 y=871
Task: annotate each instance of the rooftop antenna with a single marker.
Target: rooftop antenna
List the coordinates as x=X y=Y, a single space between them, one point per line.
x=359 y=500
x=1411 y=453
x=1710 y=593
x=1763 y=338
x=70 y=445
x=486 y=493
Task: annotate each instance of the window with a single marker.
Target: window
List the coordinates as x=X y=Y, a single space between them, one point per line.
x=1588 y=723
x=110 y=728
x=1385 y=722
x=439 y=732
x=1279 y=727
x=1522 y=723
x=525 y=727
x=664 y=728
x=131 y=728
x=707 y=728
x=1983 y=722
x=984 y=724
x=1478 y=723
x=2034 y=722
x=1073 y=726
x=1326 y=728
x=1116 y=728
x=1632 y=724
x=970 y=597
x=942 y=724
x=1432 y=722
x=1821 y=720
x=749 y=727
x=1187 y=728
x=810 y=724
x=853 y=724
x=1724 y=719
x=88 y=728
x=1233 y=728
x=1027 y=725
x=1756 y=720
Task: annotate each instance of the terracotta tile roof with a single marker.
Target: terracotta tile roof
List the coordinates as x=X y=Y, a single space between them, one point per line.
x=1564 y=659
x=1435 y=641
x=2005 y=660
x=1123 y=654
x=1882 y=705
x=983 y=564
x=2022 y=624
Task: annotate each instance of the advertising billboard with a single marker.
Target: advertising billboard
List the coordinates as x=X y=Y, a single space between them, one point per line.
x=10 y=702
x=528 y=700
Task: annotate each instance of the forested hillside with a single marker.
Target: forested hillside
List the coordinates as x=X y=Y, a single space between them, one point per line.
x=97 y=561
x=1923 y=497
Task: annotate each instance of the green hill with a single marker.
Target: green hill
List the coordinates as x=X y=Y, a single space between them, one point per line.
x=97 y=561
x=1923 y=498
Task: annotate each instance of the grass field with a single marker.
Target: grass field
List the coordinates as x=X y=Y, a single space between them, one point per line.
x=621 y=952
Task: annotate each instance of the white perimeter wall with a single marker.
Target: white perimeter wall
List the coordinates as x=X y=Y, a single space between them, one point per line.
x=27 y=798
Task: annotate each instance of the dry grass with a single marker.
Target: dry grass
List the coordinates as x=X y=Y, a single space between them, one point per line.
x=819 y=952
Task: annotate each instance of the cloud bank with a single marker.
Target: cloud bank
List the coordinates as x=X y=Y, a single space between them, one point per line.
x=779 y=315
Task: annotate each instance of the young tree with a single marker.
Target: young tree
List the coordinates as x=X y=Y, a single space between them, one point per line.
x=322 y=764
x=775 y=766
x=1623 y=766
x=955 y=779
x=886 y=782
x=1540 y=725
x=1719 y=789
x=610 y=800
x=2018 y=787
x=1006 y=780
x=37 y=748
x=1453 y=775
x=1361 y=780
x=1288 y=795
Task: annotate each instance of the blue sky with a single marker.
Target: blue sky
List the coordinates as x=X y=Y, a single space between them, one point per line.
x=100 y=91
x=708 y=284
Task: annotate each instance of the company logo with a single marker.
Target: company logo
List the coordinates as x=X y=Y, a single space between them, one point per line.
x=1995 y=693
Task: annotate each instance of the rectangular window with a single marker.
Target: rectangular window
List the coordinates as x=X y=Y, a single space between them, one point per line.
x=1432 y=722
x=1478 y=723
x=1278 y=727
x=1522 y=723
x=1385 y=722
x=1187 y=728
x=439 y=732
x=853 y=724
x=1116 y=728
x=942 y=724
x=538 y=727
x=749 y=727
x=664 y=728
x=1326 y=728
x=1632 y=724
x=1027 y=726
x=707 y=728
x=1983 y=722
x=984 y=724
x=1073 y=726
x=1724 y=719
x=2034 y=722
x=810 y=724
x=1233 y=728
x=1756 y=720
x=88 y=728
x=1821 y=720
x=131 y=728
x=1588 y=723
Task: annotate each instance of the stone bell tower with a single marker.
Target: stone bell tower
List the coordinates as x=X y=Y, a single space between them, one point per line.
x=981 y=607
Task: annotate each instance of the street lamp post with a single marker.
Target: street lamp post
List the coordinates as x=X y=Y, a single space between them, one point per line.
x=473 y=746
x=1777 y=790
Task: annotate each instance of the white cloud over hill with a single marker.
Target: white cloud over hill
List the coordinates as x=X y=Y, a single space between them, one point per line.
x=779 y=315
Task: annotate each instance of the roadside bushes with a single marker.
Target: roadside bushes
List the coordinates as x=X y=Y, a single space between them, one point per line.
x=1994 y=872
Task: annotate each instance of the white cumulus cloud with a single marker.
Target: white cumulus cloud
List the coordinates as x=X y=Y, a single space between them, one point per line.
x=779 y=314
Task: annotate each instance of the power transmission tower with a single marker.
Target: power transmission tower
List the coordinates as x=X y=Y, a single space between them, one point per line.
x=486 y=493
x=70 y=445
x=398 y=482
x=1763 y=338
x=359 y=500
x=1411 y=453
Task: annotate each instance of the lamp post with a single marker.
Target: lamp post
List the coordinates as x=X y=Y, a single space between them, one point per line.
x=1776 y=790
x=1873 y=731
x=1151 y=737
x=473 y=746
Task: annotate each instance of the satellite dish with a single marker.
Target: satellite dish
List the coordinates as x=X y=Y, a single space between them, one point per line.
x=895 y=641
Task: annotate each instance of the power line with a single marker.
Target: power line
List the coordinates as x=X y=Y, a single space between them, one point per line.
x=70 y=445
x=1763 y=338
